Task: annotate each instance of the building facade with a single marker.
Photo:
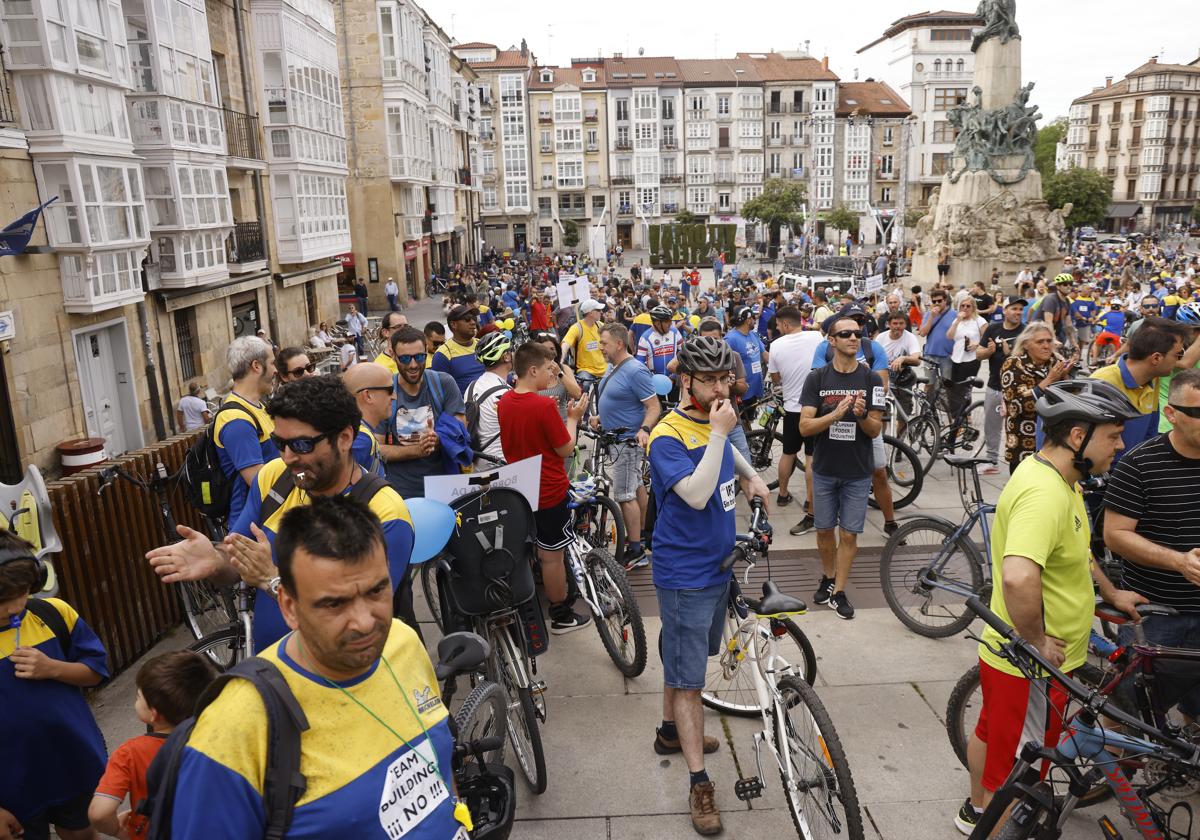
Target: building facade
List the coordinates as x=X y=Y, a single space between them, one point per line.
x=1143 y=133
x=870 y=121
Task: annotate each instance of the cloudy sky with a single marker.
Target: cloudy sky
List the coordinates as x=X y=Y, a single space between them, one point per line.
x=1065 y=53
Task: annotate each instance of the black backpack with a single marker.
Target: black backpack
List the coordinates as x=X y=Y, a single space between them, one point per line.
x=54 y=620
x=364 y=491
x=283 y=784
x=205 y=485
x=474 y=405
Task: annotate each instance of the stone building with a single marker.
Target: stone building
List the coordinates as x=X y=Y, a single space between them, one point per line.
x=870 y=119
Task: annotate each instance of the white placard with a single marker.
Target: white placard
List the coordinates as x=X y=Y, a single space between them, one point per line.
x=572 y=291
x=874 y=283
x=524 y=476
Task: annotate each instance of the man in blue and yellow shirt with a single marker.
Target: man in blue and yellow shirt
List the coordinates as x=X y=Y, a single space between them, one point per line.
x=376 y=756
x=457 y=356
x=693 y=472
x=242 y=428
x=316 y=421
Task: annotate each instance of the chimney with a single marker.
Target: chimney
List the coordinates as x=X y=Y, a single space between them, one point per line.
x=524 y=48
x=825 y=62
x=1154 y=59
x=1108 y=81
x=618 y=56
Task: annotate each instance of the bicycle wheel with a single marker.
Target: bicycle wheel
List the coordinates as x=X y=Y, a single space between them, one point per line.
x=904 y=473
x=603 y=526
x=816 y=778
x=432 y=591
x=205 y=608
x=765 y=450
x=484 y=714
x=728 y=683
x=523 y=732
x=924 y=436
x=917 y=562
x=224 y=648
x=619 y=622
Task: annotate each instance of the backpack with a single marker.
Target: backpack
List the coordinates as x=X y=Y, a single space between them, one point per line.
x=474 y=409
x=364 y=490
x=53 y=619
x=283 y=784
x=205 y=485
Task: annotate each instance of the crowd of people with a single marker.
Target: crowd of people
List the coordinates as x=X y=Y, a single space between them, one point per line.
x=677 y=367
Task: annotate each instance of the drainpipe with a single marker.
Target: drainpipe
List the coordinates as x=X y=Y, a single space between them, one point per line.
x=160 y=428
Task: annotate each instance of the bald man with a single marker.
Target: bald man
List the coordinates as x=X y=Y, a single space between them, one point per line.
x=392 y=321
x=371 y=385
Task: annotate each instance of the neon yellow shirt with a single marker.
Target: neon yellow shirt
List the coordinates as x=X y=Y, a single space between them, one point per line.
x=585 y=340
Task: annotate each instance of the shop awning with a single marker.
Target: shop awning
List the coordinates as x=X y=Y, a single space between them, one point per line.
x=1123 y=211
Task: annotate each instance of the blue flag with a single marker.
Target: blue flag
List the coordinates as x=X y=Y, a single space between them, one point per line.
x=16 y=236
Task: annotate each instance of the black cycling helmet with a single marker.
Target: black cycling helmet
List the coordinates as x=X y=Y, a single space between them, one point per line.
x=740 y=316
x=661 y=313
x=1091 y=401
x=704 y=353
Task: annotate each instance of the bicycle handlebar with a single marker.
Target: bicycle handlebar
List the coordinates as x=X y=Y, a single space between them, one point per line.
x=756 y=542
x=1016 y=649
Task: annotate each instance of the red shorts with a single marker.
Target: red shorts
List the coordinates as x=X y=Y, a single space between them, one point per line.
x=1107 y=338
x=1015 y=711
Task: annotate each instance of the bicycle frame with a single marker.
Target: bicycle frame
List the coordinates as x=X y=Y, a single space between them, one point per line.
x=978 y=512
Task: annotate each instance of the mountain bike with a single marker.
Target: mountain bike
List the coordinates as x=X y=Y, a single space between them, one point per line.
x=797 y=731
x=905 y=474
x=601 y=520
x=766 y=442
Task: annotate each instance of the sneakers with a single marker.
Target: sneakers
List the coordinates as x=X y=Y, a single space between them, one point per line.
x=839 y=602
x=636 y=560
x=783 y=501
x=803 y=526
x=568 y=622
x=670 y=746
x=824 y=590
x=966 y=818
x=988 y=469
x=702 y=800
x=890 y=528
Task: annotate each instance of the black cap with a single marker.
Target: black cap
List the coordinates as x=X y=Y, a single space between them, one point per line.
x=462 y=311
x=1016 y=300
x=851 y=310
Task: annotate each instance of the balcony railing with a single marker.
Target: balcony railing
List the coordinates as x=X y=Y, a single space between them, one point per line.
x=8 y=112
x=245 y=244
x=1131 y=170
x=591 y=117
x=573 y=212
x=670 y=209
x=545 y=147
x=545 y=118
x=890 y=175
x=723 y=178
x=241 y=135
x=593 y=147
x=624 y=145
x=621 y=180
x=547 y=181
x=1111 y=171
x=624 y=209
x=672 y=179
x=670 y=144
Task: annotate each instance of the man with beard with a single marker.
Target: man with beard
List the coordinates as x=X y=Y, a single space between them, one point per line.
x=367 y=690
x=316 y=420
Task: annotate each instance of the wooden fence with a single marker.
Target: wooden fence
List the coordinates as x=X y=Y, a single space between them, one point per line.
x=102 y=570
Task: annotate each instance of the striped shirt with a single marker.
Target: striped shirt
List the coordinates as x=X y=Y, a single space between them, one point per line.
x=1156 y=485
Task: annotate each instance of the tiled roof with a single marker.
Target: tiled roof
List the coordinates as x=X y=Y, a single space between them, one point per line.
x=870 y=97
x=567 y=76
x=1158 y=67
x=504 y=58
x=642 y=71
x=718 y=71
x=774 y=67
x=475 y=45
x=1115 y=89
x=927 y=19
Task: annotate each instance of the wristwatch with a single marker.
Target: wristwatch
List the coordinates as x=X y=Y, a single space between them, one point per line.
x=646 y=429
x=273 y=586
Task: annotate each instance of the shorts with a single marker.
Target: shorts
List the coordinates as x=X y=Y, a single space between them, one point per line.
x=1107 y=338
x=1083 y=332
x=626 y=472
x=793 y=441
x=693 y=621
x=1015 y=711
x=840 y=503
x=72 y=815
x=943 y=269
x=553 y=527
x=737 y=439
x=878 y=452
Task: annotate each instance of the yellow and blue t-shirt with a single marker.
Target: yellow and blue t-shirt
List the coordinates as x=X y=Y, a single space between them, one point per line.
x=584 y=339
x=689 y=544
x=362 y=782
x=1143 y=397
x=390 y=363
x=240 y=446
x=387 y=506
x=53 y=749
x=365 y=450
x=458 y=361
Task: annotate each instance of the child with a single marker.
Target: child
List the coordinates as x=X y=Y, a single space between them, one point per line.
x=53 y=752
x=168 y=687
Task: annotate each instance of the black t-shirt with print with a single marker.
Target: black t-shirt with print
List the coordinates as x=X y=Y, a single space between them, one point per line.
x=997 y=332
x=843 y=450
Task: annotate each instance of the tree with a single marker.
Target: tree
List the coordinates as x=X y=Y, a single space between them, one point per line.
x=1196 y=213
x=842 y=218
x=913 y=215
x=570 y=234
x=1045 y=147
x=686 y=217
x=777 y=205
x=1089 y=191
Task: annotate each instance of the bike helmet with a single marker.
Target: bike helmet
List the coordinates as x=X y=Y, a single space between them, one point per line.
x=740 y=316
x=661 y=313
x=583 y=489
x=488 y=790
x=1064 y=279
x=1189 y=314
x=704 y=353
x=1092 y=401
x=492 y=347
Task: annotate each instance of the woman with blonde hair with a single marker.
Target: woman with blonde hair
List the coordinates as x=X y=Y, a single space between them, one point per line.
x=1030 y=369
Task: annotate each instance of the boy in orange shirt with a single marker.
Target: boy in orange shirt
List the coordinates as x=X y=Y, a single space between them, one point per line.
x=168 y=687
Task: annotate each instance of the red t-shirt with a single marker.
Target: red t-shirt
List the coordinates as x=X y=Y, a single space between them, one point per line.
x=539 y=316
x=530 y=425
x=126 y=774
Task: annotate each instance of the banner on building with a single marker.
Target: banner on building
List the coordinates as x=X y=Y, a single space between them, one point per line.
x=15 y=237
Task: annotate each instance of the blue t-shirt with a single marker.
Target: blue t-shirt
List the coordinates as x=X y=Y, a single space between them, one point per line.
x=365 y=450
x=689 y=544
x=750 y=348
x=410 y=417
x=1112 y=321
x=822 y=355
x=623 y=391
x=53 y=749
x=239 y=445
x=512 y=300
x=1083 y=310
x=765 y=318
x=936 y=343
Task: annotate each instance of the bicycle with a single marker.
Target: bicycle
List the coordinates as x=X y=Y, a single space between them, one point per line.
x=1026 y=806
x=930 y=565
x=602 y=521
x=797 y=730
x=905 y=474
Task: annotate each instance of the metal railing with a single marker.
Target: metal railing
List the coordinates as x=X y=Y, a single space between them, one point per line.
x=245 y=244
x=241 y=135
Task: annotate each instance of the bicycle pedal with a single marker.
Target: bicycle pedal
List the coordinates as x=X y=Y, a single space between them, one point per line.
x=537 y=687
x=747 y=789
x=1108 y=829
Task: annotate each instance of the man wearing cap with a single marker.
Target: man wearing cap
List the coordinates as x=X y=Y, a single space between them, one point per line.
x=996 y=345
x=582 y=342
x=1054 y=306
x=457 y=356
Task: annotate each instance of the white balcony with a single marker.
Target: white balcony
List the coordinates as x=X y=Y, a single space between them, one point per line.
x=102 y=280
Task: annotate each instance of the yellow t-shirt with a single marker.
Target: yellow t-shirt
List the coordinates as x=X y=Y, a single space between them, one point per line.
x=390 y=363
x=1041 y=517
x=585 y=340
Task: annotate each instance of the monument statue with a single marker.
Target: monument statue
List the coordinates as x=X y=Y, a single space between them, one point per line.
x=1000 y=21
x=984 y=134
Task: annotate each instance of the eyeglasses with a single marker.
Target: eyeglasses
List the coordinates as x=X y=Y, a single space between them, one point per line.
x=308 y=368
x=409 y=358
x=716 y=380
x=1192 y=411
x=848 y=334
x=299 y=445
x=383 y=388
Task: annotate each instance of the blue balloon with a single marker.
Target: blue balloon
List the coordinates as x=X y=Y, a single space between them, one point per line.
x=662 y=384
x=433 y=523
x=508 y=334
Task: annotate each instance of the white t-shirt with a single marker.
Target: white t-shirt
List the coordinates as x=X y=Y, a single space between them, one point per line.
x=489 y=425
x=967 y=329
x=193 y=409
x=349 y=354
x=906 y=345
x=792 y=357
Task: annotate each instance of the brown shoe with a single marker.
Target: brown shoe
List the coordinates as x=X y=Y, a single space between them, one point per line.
x=706 y=819
x=663 y=746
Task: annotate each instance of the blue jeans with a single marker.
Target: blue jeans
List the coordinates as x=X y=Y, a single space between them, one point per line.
x=1177 y=680
x=692 y=624
x=840 y=503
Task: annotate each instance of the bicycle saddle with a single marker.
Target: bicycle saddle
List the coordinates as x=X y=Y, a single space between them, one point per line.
x=775 y=602
x=963 y=461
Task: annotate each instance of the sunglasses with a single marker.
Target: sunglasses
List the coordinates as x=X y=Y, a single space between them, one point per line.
x=383 y=388
x=308 y=368
x=1192 y=411
x=409 y=358
x=848 y=334
x=299 y=445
